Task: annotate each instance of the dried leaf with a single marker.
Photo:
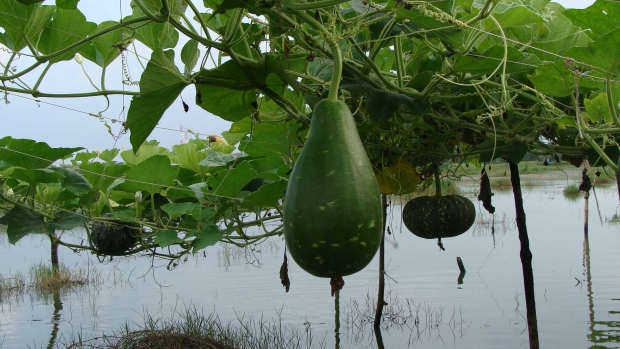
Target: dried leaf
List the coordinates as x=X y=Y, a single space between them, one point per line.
x=286 y=282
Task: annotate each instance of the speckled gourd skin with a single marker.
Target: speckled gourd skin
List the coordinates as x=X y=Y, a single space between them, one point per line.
x=432 y=217
x=332 y=208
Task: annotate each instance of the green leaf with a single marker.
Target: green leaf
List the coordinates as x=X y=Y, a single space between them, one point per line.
x=101 y=176
x=188 y=156
x=489 y=60
x=600 y=18
x=267 y=195
x=105 y=49
x=383 y=104
x=66 y=220
x=160 y=85
x=151 y=175
x=29 y=154
x=145 y=152
x=155 y=35
x=603 y=53
x=512 y=16
x=215 y=159
x=20 y=19
x=268 y=139
x=189 y=56
x=109 y=154
x=29 y=2
x=34 y=177
x=167 y=237
x=67 y=28
x=598 y=109
x=397 y=178
x=73 y=181
x=208 y=236
x=20 y=223
x=228 y=183
x=556 y=80
x=175 y=210
x=67 y=4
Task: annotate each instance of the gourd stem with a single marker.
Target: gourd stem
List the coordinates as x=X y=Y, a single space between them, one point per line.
x=336 y=54
x=437 y=182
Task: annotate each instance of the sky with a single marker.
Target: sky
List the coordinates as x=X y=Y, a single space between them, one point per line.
x=66 y=123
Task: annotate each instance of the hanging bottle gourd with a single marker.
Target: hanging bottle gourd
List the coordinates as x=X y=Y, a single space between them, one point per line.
x=436 y=217
x=332 y=207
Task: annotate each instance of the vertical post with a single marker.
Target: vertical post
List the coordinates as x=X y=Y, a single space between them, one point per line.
x=381 y=291
x=526 y=257
x=54 y=254
x=618 y=183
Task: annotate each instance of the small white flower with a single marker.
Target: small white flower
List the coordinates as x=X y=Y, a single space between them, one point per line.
x=138 y=196
x=78 y=58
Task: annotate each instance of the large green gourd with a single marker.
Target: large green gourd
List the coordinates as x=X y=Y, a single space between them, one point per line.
x=332 y=209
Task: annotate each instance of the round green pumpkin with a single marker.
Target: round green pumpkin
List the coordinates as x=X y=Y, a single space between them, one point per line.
x=115 y=238
x=432 y=217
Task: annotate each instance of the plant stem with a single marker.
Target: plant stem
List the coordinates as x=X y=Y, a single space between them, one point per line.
x=336 y=54
x=381 y=291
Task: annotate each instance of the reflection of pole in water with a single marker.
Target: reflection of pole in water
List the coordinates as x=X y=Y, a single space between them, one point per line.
x=379 y=338
x=337 y=318
x=586 y=264
x=55 y=319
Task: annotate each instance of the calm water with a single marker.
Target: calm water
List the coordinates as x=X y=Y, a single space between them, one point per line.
x=427 y=309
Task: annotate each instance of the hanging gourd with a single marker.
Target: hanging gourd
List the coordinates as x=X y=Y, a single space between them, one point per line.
x=437 y=217
x=332 y=207
x=114 y=238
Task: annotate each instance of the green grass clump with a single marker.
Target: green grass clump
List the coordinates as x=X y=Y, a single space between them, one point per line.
x=191 y=329
x=44 y=277
x=12 y=283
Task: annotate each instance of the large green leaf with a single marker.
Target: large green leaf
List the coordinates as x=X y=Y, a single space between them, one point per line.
x=597 y=109
x=105 y=48
x=189 y=56
x=188 y=156
x=36 y=176
x=216 y=159
x=600 y=18
x=73 y=181
x=175 y=210
x=513 y=15
x=228 y=183
x=229 y=91
x=555 y=79
x=166 y=238
x=152 y=175
x=21 y=222
x=67 y=28
x=157 y=35
x=143 y=153
x=101 y=176
x=603 y=53
x=268 y=139
x=160 y=85
x=20 y=20
x=66 y=220
x=513 y=150
x=30 y=154
x=209 y=235
x=267 y=195
x=67 y=4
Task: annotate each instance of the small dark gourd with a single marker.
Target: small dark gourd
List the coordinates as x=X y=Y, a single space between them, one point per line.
x=436 y=217
x=114 y=238
x=332 y=208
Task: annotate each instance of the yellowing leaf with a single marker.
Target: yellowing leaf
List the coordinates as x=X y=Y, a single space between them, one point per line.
x=398 y=177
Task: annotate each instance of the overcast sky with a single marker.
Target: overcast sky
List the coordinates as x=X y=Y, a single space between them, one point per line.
x=62 y=127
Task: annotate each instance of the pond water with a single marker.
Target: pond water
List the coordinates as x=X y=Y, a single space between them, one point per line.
x=427 y=308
